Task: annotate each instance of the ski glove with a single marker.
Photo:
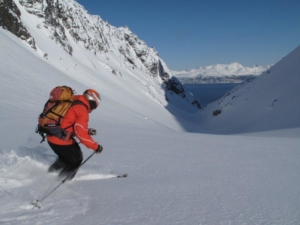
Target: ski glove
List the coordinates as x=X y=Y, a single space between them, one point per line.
x=92 y=131
x=99 y=149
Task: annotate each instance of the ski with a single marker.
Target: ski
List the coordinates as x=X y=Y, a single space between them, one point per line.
x=122 y=175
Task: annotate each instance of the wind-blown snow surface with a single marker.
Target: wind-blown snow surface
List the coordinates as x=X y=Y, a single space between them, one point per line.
x=175 y=177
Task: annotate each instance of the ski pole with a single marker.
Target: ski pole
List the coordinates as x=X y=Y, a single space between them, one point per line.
x=37 y=203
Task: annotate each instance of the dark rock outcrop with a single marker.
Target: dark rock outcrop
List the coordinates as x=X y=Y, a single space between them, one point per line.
x=10 y=20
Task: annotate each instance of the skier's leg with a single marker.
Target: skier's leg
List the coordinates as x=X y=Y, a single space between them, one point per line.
x=73 y=156
x=58 y=165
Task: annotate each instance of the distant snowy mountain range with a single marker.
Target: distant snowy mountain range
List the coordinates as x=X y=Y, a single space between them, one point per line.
x=220 y=73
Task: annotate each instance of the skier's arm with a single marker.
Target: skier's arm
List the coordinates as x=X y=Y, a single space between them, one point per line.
x=81 y=128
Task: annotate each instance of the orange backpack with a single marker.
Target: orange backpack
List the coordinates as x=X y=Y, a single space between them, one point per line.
x=61 y=99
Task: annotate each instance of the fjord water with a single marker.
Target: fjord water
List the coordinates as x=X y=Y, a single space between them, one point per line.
x=208 y=93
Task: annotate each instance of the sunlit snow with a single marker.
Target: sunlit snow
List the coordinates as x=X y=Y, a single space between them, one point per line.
x=239 y=167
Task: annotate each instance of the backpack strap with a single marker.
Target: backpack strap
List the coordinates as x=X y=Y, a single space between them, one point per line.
x=77 y=102
x=39 y=130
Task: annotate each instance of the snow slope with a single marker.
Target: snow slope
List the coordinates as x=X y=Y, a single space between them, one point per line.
x=175 y=177
x=64 y=34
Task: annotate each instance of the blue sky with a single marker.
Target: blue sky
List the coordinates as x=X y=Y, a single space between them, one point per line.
x=192 y=33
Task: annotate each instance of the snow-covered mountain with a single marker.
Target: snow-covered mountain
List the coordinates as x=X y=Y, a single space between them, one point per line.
x=175 y=176
x=68 y=24
x=220 y=73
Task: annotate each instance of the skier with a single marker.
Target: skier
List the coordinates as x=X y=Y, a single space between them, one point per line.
x=76 y=121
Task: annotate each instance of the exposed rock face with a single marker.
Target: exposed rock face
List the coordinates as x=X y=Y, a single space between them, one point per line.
x=173 y=84
x=148 y=56
x=11 y=21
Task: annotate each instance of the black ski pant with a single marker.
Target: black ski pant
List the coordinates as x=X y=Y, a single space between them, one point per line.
x=68 y=161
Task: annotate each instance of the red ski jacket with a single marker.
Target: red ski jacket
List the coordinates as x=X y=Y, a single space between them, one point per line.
x=76 y=121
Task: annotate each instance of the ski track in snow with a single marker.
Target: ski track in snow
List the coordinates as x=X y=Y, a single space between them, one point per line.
x=95 y=177
x=24 y=180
